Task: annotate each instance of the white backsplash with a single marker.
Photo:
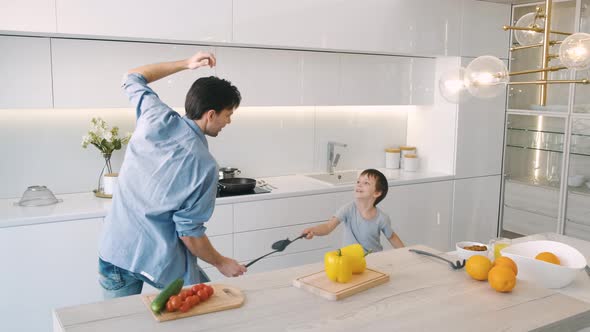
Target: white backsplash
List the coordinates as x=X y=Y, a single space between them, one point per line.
x=43 y=146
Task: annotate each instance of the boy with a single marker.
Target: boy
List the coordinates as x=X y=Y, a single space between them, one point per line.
x=363 y=220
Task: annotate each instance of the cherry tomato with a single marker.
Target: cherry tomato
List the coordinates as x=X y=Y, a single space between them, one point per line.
x=176 y=302
x=194 y=300
x=184 y=294
x=169 y=306
x=195 y=289
x=203 y=294
x=186 y=306
x=210 y=290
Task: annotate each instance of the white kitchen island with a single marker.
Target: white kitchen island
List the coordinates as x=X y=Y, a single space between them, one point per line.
x=423 y=294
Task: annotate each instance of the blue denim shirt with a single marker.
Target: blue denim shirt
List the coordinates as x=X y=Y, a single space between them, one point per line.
x=167 y=188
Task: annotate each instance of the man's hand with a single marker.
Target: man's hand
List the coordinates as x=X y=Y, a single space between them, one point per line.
x=201 y=59
x=230 y=267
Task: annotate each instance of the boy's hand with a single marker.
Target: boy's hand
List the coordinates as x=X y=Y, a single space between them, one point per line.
x=201 y=59
x=308 y=233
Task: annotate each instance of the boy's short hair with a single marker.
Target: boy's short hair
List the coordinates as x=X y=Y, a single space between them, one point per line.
x=381 y=184
x=210 y=93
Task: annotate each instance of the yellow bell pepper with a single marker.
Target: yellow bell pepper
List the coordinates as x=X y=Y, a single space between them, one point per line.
x=338 y=267
x=353 y=250
x=357 y=253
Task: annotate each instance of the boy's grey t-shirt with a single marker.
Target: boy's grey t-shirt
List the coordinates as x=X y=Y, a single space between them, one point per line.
x=365 y=232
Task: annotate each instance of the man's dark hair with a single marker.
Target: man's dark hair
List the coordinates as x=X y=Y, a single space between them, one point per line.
x=210 y=93
x=381 y=184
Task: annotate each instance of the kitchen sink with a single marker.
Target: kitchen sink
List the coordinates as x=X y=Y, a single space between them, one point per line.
x=338 y=178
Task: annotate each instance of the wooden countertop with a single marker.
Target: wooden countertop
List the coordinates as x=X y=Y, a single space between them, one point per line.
x=423 y=294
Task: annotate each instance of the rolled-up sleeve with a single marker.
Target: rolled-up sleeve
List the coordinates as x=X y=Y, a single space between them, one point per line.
x=190 y=221
x=141 y=96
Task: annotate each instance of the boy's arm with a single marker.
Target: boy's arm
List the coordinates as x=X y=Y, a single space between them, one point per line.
x=322 y=229
x=156 y=71
x=395 y=241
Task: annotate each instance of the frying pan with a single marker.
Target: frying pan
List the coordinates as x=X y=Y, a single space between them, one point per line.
x=236 y=185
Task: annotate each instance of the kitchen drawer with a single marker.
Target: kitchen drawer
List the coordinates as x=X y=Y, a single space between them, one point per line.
x=282 y=262
x=526 y=222
x=249 y=245
x=221 y=221
x=224 y=244
x=288 y=211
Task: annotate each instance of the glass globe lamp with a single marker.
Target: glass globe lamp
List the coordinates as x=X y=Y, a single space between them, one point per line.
x=574 y=51
x=524 y=37
x=452 y=86
x=486 y=76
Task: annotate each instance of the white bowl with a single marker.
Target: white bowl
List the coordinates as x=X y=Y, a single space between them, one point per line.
x=465 y=254
x=546 y=274
x=575 y=180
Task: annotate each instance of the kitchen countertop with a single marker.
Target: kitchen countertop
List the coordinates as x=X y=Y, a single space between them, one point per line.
x=86 y=205
x=422 y=294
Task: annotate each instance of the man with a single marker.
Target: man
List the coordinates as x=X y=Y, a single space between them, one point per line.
x=155 y=229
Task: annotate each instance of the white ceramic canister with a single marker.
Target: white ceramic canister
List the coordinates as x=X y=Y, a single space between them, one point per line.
x=411 y=162
x=110 y=183
x=392 y=158
x=405 y=150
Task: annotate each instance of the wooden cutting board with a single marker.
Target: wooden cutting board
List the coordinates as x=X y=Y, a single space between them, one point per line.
x=224 y=297
x=319 y=284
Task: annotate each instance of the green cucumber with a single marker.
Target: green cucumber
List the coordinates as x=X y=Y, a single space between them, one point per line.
x=173 y=288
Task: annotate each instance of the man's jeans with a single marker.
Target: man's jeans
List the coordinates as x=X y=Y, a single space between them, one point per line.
x=117 y=282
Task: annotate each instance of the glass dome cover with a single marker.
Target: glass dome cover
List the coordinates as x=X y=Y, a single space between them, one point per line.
x=37 y=196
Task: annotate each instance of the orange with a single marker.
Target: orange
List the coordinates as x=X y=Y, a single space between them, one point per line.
x=505 y=261
x=478 y=267
x=502 y=278
x=548 y=257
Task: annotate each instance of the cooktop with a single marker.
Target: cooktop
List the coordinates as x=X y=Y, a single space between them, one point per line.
x=256 y=190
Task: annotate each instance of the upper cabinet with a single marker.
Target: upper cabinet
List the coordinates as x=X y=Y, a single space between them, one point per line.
x=293 y=78
x=88 y=73
x=26 y=72
x=420 y=27
x=385 y=80
x=190 y=20
x=482 y=32
x=28 y=15
x=264 y=77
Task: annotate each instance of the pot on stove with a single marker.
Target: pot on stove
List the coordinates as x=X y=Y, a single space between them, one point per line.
x=228 y=173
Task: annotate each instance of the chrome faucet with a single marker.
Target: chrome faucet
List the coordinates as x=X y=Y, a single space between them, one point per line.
x=333 y=160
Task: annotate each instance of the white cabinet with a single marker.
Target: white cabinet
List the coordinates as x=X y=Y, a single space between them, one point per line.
x=421 y=213
x=25 y=64
x=223 y=244
x=264 y=77
x=192 y=20
x=47 y=266
x=482 y=32
x=292 y=78
x=222 y=221
x=385 y=80
x=287 y=211
x=28 y=15
x=480 y=135
x=250 y=245
x=88 y=73
x=396 y=26
x=475 y=210
x=319 y=79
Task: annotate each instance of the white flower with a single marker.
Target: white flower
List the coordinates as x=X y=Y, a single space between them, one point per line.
x=108 y=136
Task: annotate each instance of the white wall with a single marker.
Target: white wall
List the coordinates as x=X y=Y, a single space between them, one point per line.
x=43 y=146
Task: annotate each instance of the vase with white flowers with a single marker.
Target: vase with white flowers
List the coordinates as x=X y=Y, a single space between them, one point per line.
x=106 y=140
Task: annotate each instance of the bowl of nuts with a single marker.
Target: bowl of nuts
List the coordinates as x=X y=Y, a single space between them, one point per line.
x=467 y=249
